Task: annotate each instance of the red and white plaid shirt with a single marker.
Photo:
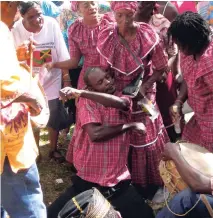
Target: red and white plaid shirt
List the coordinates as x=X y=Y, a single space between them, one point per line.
x=104 y=163
x=199 y=78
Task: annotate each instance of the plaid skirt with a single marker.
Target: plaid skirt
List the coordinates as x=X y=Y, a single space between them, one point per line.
x=146 y=151
x=198 y=133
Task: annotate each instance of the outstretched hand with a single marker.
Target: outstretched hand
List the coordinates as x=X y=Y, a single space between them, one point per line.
x=48 y=66
x=69 y=93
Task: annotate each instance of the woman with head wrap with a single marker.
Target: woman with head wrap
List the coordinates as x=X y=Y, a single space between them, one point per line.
x=148 y=12
x=114 y=44
x=82 y=38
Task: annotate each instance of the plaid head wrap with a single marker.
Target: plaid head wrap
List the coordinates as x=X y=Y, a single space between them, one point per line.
x=74 y=6
x=116 y=5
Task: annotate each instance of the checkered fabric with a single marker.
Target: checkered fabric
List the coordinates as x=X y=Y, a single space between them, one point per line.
x=104 y=162
x=82 y=42
x=74 y=6
x=128 y=5
x=199 y=78
x=146 y=151
x=149 y=50
x=117 y=55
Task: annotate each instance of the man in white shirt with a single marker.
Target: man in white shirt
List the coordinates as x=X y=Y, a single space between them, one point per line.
x=50 y=47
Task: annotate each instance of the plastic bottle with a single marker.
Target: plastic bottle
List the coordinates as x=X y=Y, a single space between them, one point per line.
x=177 y=125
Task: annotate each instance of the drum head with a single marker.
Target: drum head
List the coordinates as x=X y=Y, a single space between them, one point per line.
x=198 y=157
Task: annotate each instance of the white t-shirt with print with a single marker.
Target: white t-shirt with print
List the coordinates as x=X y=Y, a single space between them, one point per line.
x=50 y=48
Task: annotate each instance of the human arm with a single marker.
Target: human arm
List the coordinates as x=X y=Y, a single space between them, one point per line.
x=194 y=179
x=170 y=12
x=182 y=97
x=98 y=132
x=68 y=64
x=92 y=117
x=173 y=54
x=176 y=108
x=12 y=87
x=160 y=65
x=176 y=70
x=71 y=63
x=12 y=92
x=174 y=60
x=66 y=78
x=31 y=101
x=64 y=61
x=106 y=100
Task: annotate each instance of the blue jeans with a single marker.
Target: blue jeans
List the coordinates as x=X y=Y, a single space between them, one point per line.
x=182 y=202
x=21 y=194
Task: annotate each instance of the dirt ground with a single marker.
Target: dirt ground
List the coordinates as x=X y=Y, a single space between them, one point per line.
x=50 y=171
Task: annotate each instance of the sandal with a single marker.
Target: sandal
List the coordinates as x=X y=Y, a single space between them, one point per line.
x=57 y=156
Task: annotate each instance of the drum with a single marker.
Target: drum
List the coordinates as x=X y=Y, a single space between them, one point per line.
x=197 y=157
x=34 y=87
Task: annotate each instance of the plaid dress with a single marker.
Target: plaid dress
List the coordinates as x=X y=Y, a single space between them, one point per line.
x=146 y=46
x=103 y=163
x=199 y=78
x=82 y=41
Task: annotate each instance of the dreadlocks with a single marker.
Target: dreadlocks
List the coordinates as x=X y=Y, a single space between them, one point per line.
x=190 y=31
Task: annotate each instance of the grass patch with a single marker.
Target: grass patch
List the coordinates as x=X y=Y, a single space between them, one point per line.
x=49 y=170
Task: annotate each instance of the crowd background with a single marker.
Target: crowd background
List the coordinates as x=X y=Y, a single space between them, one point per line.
x=65 y=16
x=54 y=171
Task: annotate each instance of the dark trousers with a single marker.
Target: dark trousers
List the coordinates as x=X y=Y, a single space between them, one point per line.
x=183 y=202
x=123 y=197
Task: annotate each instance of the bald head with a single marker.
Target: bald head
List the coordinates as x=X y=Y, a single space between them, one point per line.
x=98 y=80
x=89 y=71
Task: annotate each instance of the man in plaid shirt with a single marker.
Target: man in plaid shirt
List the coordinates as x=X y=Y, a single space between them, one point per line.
x=101 y=146
x=194 y=39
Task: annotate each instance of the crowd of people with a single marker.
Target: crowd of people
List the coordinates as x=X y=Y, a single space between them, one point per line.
x=124 y=69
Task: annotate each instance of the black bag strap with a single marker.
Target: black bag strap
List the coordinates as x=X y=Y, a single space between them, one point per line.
x=125 y=43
